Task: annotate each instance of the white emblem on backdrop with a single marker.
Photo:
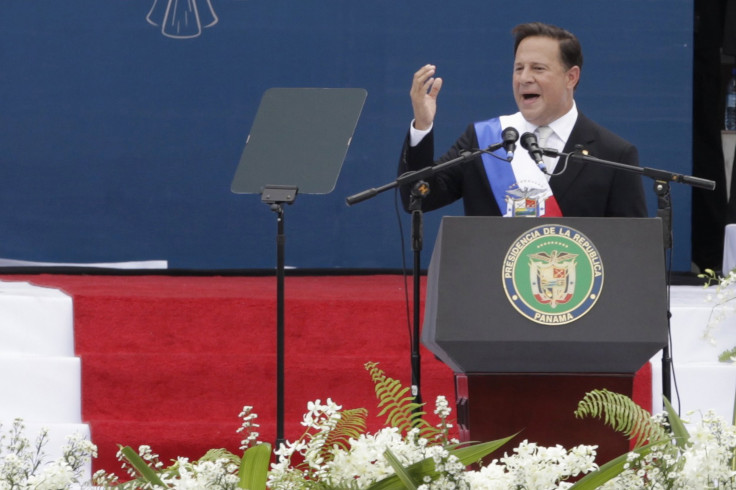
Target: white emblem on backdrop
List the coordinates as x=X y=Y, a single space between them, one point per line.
x=182 y=19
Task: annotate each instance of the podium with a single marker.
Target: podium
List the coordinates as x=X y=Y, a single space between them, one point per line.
x=532 y=314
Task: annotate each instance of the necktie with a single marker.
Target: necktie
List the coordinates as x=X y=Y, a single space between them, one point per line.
x=543 y=133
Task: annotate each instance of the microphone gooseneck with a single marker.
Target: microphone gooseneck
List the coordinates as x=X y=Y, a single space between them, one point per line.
x=529 y=143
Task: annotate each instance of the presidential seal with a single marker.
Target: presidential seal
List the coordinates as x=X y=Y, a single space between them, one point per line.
x=553 y=274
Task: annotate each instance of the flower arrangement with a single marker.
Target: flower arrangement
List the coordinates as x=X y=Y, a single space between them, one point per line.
x=673 y=458
x=335 y=452
x=22 y=464
x=723 y=297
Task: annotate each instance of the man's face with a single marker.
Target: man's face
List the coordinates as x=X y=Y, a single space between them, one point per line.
x=543 y=87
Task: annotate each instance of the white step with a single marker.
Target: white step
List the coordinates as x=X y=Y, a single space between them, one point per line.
x=35 y=320
x=41 y=389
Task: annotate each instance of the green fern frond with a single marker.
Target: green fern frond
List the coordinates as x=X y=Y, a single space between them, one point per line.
x=351 y=425
x=217 y=454
x=399 y=408
x=622 y=414
x=389 y=389
x=376 y=373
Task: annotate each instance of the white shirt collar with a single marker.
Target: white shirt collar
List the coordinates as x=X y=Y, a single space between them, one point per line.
x=563 y=125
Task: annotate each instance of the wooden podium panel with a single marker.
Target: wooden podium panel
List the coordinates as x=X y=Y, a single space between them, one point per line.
x=540 y=406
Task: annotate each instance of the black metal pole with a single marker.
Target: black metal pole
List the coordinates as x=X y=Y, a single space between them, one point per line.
x=276 y=196
x=415 y=355
x=280 y=330
x=419 y=191
x=664 y=212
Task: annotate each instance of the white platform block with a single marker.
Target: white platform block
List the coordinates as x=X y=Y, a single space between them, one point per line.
x=691 y=312
x=35 y=320
x=698 y=387
x=41 y=389
x=699 y=381
x=40 y=377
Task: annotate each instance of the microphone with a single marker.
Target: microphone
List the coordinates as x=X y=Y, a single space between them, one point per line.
x=529 y=143
x=509 y=136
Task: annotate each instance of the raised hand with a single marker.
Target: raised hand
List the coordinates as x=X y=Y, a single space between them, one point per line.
x=424 y=90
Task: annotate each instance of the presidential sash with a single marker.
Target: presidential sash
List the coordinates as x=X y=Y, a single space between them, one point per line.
x=519 y=187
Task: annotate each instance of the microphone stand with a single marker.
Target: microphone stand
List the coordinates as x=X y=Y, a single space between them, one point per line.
x=664 y=176
x=276 y=196
x=662 y=179
x=421 y=174
x=419 y=191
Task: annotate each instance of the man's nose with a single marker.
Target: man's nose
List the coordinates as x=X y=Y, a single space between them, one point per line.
x=525 y=75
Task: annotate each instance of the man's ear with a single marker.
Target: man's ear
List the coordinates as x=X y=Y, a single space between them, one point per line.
x=573 y=76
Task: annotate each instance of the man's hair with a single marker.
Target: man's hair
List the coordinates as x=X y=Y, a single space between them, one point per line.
x=571 y=53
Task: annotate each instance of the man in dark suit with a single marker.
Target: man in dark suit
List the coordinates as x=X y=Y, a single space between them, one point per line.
x=547 y=65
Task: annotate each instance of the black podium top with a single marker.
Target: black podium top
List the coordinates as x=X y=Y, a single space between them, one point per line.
x=554 y=295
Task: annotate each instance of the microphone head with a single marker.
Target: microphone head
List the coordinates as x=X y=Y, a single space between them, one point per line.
x=510 y=135
x=528 y=140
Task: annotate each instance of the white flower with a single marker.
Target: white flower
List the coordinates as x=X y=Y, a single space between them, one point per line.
x=248 y=427
x=54 y=476
x=442 y=409
x=703 y=463
x=22 y=466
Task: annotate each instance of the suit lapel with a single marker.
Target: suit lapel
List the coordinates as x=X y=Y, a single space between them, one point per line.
x=582 y=134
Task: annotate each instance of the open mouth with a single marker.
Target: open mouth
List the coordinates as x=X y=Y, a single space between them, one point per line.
x=530 y=97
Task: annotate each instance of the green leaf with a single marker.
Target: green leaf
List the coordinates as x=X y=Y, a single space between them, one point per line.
x=253 y=471
x=466 y=454
x=682 y=436
x=141 y=467
x=610 y=470
x=727 y=355
x=474 y=453
x=400 y=471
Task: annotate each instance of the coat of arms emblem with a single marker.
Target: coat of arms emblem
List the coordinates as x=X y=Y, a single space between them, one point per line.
x=525 y=203
x=552 y=276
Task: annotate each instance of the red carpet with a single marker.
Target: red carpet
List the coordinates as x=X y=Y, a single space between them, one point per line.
x=170 y=361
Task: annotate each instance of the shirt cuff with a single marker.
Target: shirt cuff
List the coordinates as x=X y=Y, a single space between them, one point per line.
x=417 y=135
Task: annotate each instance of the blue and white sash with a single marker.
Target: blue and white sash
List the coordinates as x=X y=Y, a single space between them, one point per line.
x=519 y=187
x=499 y=171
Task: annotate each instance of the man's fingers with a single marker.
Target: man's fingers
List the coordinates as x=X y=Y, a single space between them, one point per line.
x=423 y=77
x=435 y=87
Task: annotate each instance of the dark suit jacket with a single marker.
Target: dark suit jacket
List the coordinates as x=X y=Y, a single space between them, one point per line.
x=583 y=189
